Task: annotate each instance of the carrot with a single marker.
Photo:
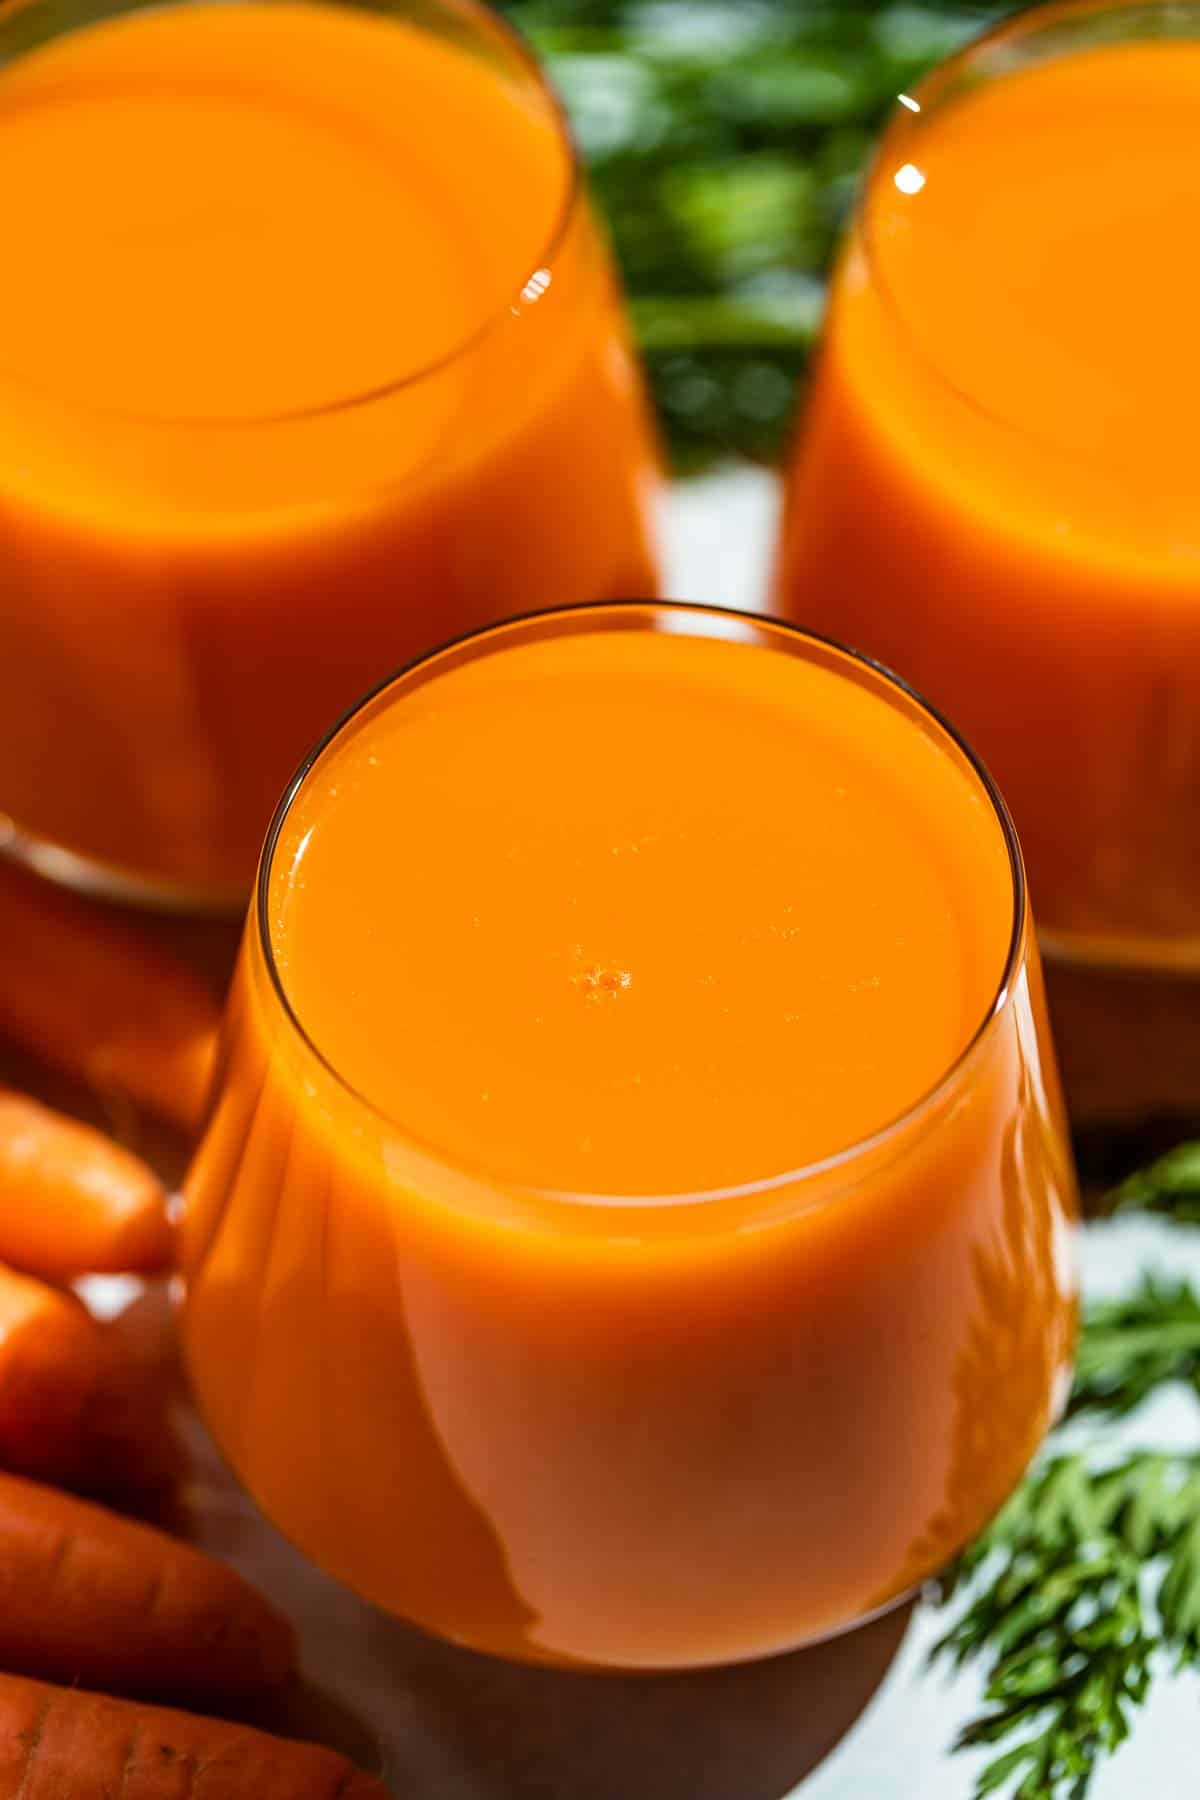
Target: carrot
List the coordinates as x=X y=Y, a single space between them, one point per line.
x=63 y=1744
x=71 y=1201
x=90 y=996
x=75 y=1408
x=86 y=1596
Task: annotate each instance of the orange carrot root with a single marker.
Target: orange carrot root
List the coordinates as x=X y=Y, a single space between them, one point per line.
x=93 y=1598
x=90 y=996
x=76 y=1410
x=63 y=1744
x=71 y=1201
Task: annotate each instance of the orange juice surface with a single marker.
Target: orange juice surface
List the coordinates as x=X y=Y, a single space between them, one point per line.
x=995 y=491
x=684 y=917
x=311 y=360
x=608 y=932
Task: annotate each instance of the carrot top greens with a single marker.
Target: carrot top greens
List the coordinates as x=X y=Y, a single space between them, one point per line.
x=1086 y=1587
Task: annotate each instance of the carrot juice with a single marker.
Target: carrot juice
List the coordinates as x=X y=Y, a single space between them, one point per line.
x=994 y=486
x=633 y=1225
x=312 y=360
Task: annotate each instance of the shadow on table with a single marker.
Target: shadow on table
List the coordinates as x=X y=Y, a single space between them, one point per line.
x=746 y=1733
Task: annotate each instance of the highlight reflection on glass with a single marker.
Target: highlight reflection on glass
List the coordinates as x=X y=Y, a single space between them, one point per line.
x=312 y=359
x=994 y=485
x=636 y=1096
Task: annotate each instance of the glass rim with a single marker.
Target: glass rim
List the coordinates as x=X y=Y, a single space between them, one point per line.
x=731 y=624
x=906 y=121
x=526 y=291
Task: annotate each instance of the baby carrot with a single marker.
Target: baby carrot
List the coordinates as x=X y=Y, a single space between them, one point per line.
x=71 y=1201
x=63 y=1744
x=93 y=1598
x=75 y=1408
x=89 y=995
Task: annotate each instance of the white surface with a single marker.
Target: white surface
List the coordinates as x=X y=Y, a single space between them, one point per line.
x=718 y=536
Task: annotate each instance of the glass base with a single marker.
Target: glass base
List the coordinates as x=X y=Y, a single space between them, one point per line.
x=1150 y=955
x=700 y=1665
x=115 y=886
x=1128 y=1039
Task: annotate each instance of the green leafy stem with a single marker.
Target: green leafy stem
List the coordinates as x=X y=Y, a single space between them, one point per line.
x=1087 y=1584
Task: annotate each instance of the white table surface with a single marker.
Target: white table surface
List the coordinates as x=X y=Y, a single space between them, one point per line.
x=718 y=531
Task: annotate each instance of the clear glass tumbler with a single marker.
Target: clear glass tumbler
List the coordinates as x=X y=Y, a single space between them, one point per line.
x=313 y=359
x=598 y=1251
x=993 y=489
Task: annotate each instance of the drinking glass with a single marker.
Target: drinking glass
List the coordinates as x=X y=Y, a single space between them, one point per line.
x=992 y=489
x=314 y=359
x=589 y=1269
